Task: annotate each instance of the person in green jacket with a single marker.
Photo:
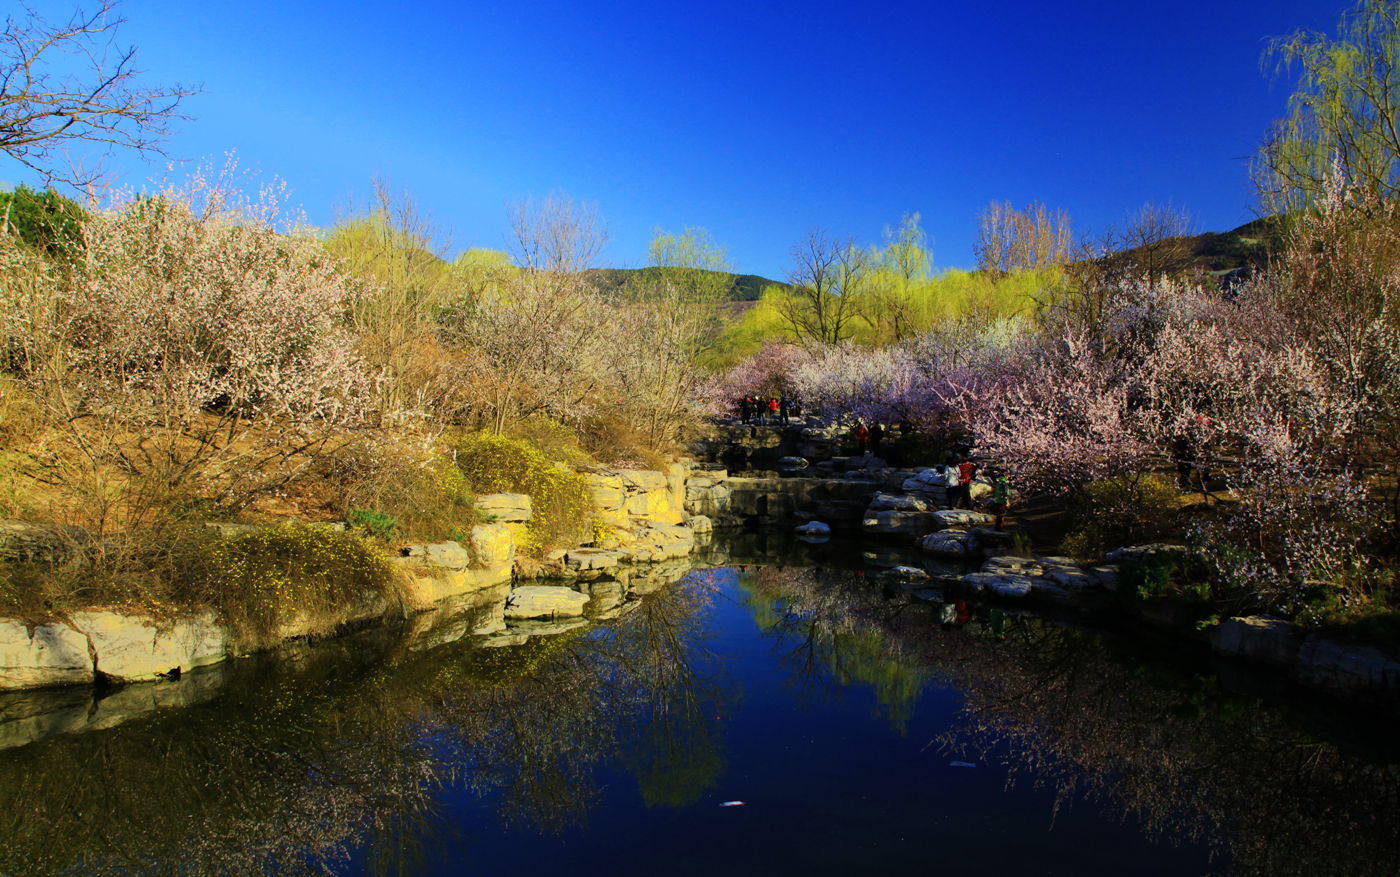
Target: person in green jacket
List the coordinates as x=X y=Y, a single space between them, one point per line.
x=1001 y=499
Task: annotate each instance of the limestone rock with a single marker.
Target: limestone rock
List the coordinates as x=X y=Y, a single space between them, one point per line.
x=20 y=541
x=1351 y=669
x=951 y=543
x=592 y=558
x=642 y=479
x=133 y=648
x=926 y=481
x=1106 y=575
x=544 y=601
x=54 y=654
x=900 y=503
x=608 y=491
x=506 y=508
x=1255 y=638
x=962 y=518
x=448 y=555
x=1010 y=564
x=493 y=545
x=700 y=524
x=1142 y=552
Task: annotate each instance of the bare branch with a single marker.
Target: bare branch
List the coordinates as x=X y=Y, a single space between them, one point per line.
x=72 y=83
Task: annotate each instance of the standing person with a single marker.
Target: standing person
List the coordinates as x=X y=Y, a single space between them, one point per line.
x=966 y=470
x=862 y=438
x=1001 y=499
x=877 y=432
x=773 y=409
x=783 y=410
x=746 y=409
x=952 y=481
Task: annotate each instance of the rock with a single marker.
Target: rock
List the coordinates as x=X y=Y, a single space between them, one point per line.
x=1106 y=575
x=232 y=531
x=1000 y=584
x=926 y=481
x=899 y=503
x=608 y=491
x=951 y=543
x=1346 y=668
x=544 y=601
x=699 y=524
x=980 y=488
x=642 y=479
x=53 y=654
x=1142 y=552
x=1067 y=573
x=506 y=508
x=1044 y=587
x=592 y=558
x=1010 y=564
x=1254 y=638
x=962 y=518
x=606 y=595
x=493 y=545
x=813 y=529
x=448 y=555
x=132 y=648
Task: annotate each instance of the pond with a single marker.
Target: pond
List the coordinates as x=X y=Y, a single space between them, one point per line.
x=789 y=710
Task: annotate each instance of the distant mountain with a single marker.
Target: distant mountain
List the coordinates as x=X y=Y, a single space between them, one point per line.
x=1235 y=252
x=741 y=287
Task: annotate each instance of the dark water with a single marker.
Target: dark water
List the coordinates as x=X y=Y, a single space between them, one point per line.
x=864 y=730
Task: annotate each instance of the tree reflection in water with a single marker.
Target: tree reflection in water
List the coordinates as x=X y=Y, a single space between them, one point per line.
x=325 y=749
x=1062 y=709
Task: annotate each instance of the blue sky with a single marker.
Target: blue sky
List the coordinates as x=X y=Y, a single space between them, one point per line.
x=757 y=120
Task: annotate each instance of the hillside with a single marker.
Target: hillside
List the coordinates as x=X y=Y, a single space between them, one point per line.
x=741 y=287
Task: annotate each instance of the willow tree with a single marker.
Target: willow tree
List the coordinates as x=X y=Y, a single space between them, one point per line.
x=1344 y=115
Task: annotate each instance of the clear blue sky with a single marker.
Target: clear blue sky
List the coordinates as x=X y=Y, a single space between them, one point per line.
x=756 y=120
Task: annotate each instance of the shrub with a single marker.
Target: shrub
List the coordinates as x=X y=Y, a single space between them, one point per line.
x=563 y=503
x=373 y=523
x=1120 y=511
x=258 y=581
x=403 y=477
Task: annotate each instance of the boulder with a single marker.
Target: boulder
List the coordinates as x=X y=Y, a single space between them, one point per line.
x=544 y=601
x=1346 y=668
x=1011 y=564
x=20 y=541
x=642 y=479
x=700 y=524
x=951 y=543
x=1142 y=552
x=926 y=481
x=813 y=530
x=883 y=502
x=133 y=648
x=609 y=495
x=592 y=558
x=506 y=508
x=448 y=555
x=50 y=654
x=962 y=518
x=1255 y=638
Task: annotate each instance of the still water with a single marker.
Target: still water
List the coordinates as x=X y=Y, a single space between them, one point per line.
x=850 y=725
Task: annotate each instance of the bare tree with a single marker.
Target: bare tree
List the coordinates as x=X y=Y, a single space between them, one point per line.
x=1009 y=239
x=72 y=83
x=831 y=277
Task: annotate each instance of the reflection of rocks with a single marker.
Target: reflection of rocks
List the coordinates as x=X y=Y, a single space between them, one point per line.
x=891 y=523
x=544 y=601
x=545 y=628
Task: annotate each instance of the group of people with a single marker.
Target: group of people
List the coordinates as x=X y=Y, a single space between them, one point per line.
x=957 y=476
x=773 y=410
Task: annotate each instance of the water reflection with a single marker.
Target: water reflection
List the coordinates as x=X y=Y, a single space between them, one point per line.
x=315 y=751
x=1067 y=710
x=299 y=761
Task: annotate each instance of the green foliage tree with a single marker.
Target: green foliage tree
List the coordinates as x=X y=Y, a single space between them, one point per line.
x=1344 y=114
x=46 y=221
